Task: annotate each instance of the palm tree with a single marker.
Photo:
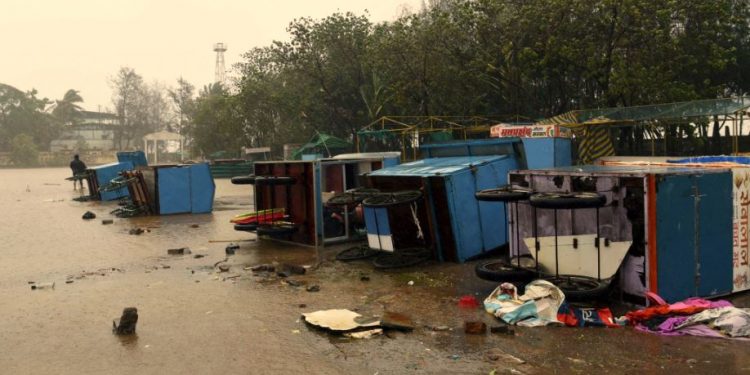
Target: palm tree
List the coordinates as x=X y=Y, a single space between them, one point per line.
x=67 y=110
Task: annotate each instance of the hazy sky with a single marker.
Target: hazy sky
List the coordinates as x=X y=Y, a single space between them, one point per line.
x=56 y=45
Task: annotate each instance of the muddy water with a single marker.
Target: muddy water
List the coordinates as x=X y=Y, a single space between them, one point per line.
x=196 y=319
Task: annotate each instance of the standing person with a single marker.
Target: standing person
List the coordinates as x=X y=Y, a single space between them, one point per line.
x=78 y=167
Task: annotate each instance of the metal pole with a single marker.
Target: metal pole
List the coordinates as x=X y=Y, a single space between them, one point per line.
x=557 y=260
x=518 y=243
x=598 y=249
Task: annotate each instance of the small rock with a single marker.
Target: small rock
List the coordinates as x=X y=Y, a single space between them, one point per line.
x=166 y=266
x=194 y=225
x=286 y=270
x=364 y=278
x=475 y=328
x=198 y=256
x=313 y=288
x=89 y=215
x=231 y=248
x=302 y=305
x=691 y=361
x=397 y=321
x=68 y=281
x=440 y=328
x=127 y=322
x=136 y=231
x=107 y=221
x=497 y=354
x=410 y=283
x=224 y=267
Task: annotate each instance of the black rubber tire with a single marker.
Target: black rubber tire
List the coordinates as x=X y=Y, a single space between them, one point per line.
x=579 y=288
x=356 y=253
x=392 y=199
x=402 y=258
x=503 y=194
x=500 y=270
x=243 y=180
x=245 y=227
x=567 y=200
x=275 y=230
x=351 y=197
x=274 y=180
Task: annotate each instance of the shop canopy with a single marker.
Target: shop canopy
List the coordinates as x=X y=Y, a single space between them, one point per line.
x=322 y=142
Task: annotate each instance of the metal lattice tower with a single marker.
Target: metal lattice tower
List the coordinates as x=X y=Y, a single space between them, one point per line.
x=220 y=76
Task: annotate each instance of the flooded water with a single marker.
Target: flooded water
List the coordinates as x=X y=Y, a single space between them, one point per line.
x=195 y=319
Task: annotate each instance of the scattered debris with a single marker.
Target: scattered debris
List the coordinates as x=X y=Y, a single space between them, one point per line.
x=440 y=328
x=89 y=215
x=365 y=334
x=136 y=231
x=180 y=251
x=69 y=281
x=302 y=305
x=475 y=328
x=166 y=266
x=292 y=282
x=263 y=268
x=107 y=221
x=198 y=256
x=505 y=329
x=194 y=225
x=338 y=320
x=410 y=283
x=50 y=285
x=397 y=321
x=313 y=288
x=224 y=268
x=286 y=270
x=364 y=278
x=468 y=302
x=128 y=320
x=496 y=354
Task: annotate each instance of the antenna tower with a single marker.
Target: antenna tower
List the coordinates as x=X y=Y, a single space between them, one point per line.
x=220 y=76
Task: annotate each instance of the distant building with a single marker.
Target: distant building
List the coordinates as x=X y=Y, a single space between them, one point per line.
x=94 y=131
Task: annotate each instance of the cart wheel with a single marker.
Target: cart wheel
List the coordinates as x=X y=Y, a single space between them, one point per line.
x=579 y=288
x=243 y=180
x=402 y=258
x=505 y=193
x=501 y=270
x=567 y=200
x=351 y=197
x=274 y=180
x=356 y=253
x=392 y=199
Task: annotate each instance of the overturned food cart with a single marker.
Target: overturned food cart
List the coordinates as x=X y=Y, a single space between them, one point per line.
x=290 y=197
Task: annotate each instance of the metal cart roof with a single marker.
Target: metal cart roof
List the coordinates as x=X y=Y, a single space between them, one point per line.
x=437 y=166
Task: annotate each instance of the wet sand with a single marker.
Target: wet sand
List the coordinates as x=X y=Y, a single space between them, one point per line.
x=193 y=319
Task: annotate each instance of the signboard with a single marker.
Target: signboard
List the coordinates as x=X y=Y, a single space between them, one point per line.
x=741 y=229
x=530 y=131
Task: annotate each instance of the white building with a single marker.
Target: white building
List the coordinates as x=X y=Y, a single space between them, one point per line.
x=94 y=131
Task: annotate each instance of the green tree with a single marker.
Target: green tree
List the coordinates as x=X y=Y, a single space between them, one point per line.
x=22 y=112
x=24 y=152
x=67 y=109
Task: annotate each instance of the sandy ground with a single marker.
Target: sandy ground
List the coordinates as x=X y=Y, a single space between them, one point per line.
x=194 y=319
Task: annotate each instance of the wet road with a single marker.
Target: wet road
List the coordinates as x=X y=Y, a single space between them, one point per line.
x=194 y=319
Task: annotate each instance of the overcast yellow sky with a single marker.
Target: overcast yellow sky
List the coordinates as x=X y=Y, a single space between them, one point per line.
x=56 y=45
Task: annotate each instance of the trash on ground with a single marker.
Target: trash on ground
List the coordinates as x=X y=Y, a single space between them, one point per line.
x=89 y=215
x=127 y=322
x=468 y=302
x=179 y=251
x=365 y=334
x=585 y=316
x=537 y=307
x=136 y=231
x=194 y=225
x=475 y=328
x=107 y=221
x=504 y=329
x=338 y=320
x=397 y=321
x=286 y=270
x=292 y=282
x=224 y=267
x=496 y=354
x=49 y=285
x=440 y=328
x=410 y=283
x=313 y=288
x=364 y=278
x=694 y=317
x=198 y=256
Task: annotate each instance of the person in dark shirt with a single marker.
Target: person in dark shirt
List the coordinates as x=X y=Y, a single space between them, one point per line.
x=78 y=167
